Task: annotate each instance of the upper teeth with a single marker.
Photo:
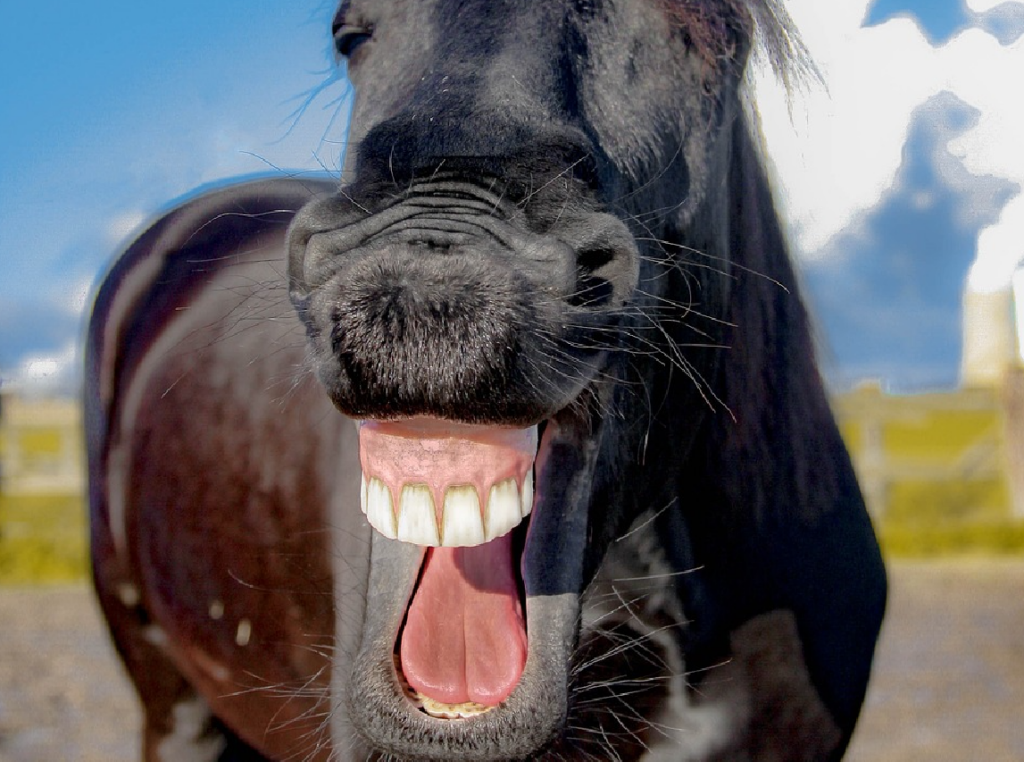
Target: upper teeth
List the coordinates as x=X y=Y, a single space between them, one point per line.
x=461 y=522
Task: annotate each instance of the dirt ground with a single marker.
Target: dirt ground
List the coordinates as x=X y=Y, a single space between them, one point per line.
x=948 y=686
x=949 y=676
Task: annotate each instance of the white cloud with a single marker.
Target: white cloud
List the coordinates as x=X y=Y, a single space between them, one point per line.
x=982 y=6
x=838 y=149
x=1000 y=249
x=47 y=374
x=978 y=70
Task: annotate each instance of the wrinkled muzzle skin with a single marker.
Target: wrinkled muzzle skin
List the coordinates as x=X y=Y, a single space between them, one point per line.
x=484 y=263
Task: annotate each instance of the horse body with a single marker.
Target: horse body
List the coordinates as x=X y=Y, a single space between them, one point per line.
x=553 y=221
x=203 y=562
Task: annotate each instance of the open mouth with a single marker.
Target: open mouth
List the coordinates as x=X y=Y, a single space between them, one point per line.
x=459 y=491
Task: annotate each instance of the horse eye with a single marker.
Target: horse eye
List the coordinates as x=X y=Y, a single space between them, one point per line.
x=347 y=38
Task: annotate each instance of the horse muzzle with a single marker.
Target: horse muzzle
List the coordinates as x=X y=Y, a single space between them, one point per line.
x=463 y=338
x=448 y=302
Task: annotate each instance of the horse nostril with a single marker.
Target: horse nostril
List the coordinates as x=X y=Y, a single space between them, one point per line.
x=594 y=259
x=591 y=291
x=593 y=287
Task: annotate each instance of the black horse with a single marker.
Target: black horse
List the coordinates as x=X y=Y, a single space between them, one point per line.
x=551 y=300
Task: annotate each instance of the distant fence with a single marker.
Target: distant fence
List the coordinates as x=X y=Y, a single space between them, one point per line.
x=41 y=450
x=954 y=454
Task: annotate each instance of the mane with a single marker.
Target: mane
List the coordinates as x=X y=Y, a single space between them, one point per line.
x=711 y=27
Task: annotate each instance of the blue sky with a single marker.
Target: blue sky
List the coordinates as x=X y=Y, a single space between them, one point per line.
x=939 y=19
x=111 y=109
x=888 y=291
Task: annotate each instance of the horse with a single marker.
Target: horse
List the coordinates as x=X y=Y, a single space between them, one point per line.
x=508 y=445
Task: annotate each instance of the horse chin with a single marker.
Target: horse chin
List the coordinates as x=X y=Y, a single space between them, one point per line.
x=548 y=554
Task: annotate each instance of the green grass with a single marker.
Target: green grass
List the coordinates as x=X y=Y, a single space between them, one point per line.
x=950 y=517
x=42 y=539
x=941 y=434
x=984 y=501
x=919 y=540
x=36 y=442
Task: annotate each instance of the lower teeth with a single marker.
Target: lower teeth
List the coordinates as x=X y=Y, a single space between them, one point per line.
x=449 y=711
x=436 y=708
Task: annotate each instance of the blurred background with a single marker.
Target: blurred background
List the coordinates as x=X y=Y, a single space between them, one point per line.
x=899 y=176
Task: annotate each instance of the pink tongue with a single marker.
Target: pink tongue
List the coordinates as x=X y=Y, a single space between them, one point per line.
x=465 y=638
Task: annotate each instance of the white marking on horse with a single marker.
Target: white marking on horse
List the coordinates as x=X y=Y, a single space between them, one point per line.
x=642 y=591
x=136 y=282
x=190 y=739
x=117 y=470
x=243 y=633
x=208 y=664
x=156 y=636
x=129 y=594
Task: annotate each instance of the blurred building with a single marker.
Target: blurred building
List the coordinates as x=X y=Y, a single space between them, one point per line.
x=991 y=344
x=993 y=358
